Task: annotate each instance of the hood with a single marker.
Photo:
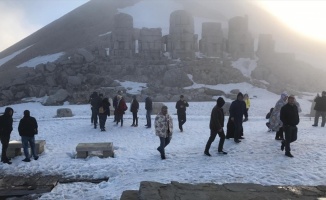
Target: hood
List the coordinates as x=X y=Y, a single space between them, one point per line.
x=7 y=110
x=239 y=94
x=220 y=102
x=27 y=113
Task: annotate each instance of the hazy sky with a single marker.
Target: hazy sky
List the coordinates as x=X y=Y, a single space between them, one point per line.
x=20 y=18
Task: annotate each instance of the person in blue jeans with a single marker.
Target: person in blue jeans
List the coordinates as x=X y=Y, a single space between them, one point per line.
x=149 y=108
x=27 y=129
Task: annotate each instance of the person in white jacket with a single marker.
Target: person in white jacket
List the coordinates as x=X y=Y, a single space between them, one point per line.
x=163 y=129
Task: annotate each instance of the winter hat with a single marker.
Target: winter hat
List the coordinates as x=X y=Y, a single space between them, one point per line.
x=181 y=96
x=26 y=113
x=220 y=102
x=323 y=93
x=284 y=94
x=240 y=94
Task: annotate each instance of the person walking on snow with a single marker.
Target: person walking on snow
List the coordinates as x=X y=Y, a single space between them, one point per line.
x=216 y=125
x=289 y=115
x=274 y=120
x=181 y=107
x=320 y=108
x=163 y=129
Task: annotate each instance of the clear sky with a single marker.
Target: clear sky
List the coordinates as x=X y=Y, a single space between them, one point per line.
x=20 y=18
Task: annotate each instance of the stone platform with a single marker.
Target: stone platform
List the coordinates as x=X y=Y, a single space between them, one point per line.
x=228 y=191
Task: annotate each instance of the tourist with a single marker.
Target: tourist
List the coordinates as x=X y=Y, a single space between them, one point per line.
x=121 y=108
x=320 y=108
x=148 y=108
x=216 y=125
x=181 y=106
x=104 y=112
x=247 y=101
x=115 y=104
x=27 y=129
x=163 y=129
x=274 y=120
x=95 y=103
x=237 y=111
x=5 y=131
x=289 y=115
x=134 y=106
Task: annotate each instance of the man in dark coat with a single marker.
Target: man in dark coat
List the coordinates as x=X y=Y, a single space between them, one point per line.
x=216 y=125
x=96 y=103
x=290 y=119
x=5 y=131
x=237 y=111
x=149 y=108
x=181 y=107
x=27 y=129
x=134 y=106
x=320 y=108
x=104 y=112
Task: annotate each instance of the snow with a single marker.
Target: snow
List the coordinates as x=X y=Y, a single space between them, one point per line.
x=132 y=87
x=104 y=34
x=245 y=65
x=11 y=56
x=41 y=60
x=257 y=159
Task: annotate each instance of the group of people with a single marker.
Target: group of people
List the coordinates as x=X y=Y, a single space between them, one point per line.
x=27 y=129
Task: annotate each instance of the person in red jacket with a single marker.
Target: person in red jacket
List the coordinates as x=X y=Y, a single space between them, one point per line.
x=121 y=108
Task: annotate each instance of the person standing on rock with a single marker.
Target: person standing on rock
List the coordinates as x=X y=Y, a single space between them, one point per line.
x=27 y=129
x=134 y=106
x=216 y=125
x=181 y=106
x=163 y=129
x=320 y=108
x=289 y=115
x=148 y=108
x=5 y=131
x=237 y=111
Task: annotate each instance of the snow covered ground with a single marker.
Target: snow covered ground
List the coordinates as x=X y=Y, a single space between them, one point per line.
x=257 y=159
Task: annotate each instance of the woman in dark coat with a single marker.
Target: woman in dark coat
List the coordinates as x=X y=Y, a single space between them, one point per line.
x=134 y=106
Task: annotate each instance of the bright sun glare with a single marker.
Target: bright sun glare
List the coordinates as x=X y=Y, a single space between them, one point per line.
x=308 y=17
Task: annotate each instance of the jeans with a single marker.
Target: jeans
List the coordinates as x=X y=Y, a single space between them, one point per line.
x=212 y=138
x=163 y=143
x=5 y=143
x=181 y=119
x=148 y=117
x=290 y=136
x=94 y=115
x=323 y=117
x=119 y=119
x=102 y=118
x=31 y=141
x=134 y=118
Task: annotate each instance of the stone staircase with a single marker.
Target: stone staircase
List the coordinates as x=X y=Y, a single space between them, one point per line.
x=228 y=191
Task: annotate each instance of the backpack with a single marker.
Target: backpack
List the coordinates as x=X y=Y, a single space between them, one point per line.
x=101 y=110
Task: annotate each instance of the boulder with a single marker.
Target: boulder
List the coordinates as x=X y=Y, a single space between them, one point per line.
x=50 y=67
x=57 y=98
x=176 y=78
x=86 y=54
x=74 y=80
x=64 y=112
